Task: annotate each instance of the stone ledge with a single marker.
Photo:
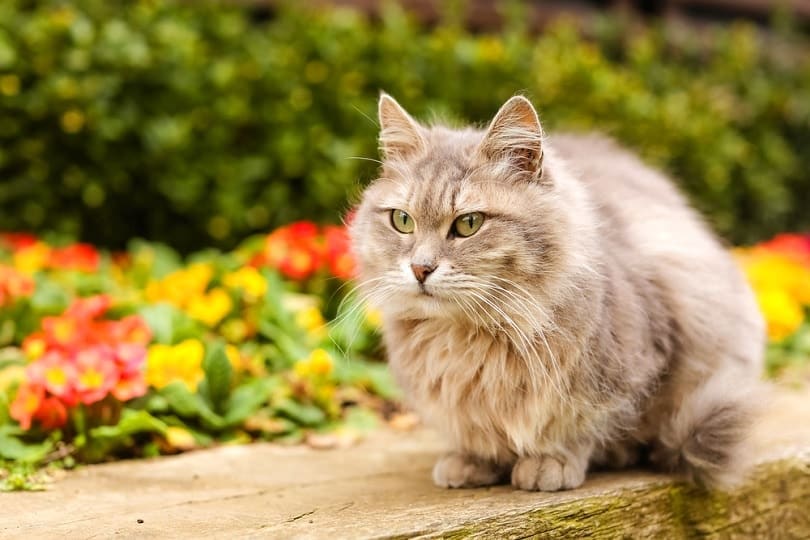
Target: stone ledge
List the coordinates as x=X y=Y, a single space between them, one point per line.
x=381 y=489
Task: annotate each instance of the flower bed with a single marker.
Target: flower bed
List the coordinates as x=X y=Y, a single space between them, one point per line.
x=109 y=355
x=139 y=353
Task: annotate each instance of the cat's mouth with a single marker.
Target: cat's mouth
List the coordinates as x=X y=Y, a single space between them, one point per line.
x=423 y=291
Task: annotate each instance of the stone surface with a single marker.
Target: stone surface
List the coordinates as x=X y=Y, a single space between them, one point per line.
x=382 y=488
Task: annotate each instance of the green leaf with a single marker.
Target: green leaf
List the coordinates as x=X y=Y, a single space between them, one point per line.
x=218 y=373
x=164 y=259
x=16 y=450
x=248 y=398
x=303 y=414
x=168 y=324
x=189 y=405
x=131 y=422
x=182 y=401
x=49 y=297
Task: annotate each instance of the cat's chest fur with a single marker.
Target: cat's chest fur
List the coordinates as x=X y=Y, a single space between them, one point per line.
x=469 y=383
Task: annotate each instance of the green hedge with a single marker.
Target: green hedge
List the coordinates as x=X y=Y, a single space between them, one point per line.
x=197 y=124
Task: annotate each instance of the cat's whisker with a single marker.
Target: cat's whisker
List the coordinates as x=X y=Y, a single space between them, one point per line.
x=525 y=343
x=524 y=308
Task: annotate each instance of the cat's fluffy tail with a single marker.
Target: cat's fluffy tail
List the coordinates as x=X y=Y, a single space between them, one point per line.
x=706 y=437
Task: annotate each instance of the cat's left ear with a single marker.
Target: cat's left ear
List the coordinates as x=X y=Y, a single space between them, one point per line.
x=515 y=135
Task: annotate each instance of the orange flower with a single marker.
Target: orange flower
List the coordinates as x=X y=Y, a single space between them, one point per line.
x=13 y=285
x=26 y=403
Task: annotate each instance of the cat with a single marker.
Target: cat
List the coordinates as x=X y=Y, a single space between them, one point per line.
x=552 y=304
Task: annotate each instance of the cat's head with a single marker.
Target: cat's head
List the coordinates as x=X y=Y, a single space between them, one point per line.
x=460 y=223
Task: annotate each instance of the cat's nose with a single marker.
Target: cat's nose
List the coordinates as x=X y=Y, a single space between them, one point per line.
x=422 y=271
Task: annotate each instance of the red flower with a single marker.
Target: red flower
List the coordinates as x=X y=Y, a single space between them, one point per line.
x=17 y=240
x=52 y=413
x=80 y=358
x=90 y=307
x=796 y=246
x=338 y=254
x=294 y=250
x=130 y=329
x=129 y=358
x=82 y=257
x=63 y=332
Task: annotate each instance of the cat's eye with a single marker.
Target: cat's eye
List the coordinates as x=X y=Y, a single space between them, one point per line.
x=401 y=221
x=468 y=224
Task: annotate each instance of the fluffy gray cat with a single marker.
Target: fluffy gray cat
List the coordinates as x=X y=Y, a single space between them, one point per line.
x=551 y=304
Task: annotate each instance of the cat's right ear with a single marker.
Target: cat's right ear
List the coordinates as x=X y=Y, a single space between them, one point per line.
x=400 y=135
x=515 y=135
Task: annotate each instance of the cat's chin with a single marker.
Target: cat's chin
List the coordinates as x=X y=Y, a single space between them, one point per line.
x=423 y=305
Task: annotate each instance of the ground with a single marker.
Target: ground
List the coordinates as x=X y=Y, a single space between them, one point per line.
x=382 y=488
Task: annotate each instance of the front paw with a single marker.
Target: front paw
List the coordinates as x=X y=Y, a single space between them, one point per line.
x=456 y=470
x=547 y=473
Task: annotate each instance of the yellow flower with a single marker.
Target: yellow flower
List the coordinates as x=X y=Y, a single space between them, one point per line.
x=783 y=313
x=34 y=347
x=776 y=271
x=234 y=330
x=311 y=320
x=32 y=258
x=181 y=362
x=318 y=364
x=249 y=280
x=181 y=286
x=210 y=308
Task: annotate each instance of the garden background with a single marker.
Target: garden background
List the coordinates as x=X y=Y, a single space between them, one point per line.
x=173 y=176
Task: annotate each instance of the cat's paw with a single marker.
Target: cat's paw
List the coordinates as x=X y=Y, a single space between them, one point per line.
x=455 y=470
x=547 y=473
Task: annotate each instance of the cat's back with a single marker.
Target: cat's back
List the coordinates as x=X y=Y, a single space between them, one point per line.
x=639 y=207
x=648 y=228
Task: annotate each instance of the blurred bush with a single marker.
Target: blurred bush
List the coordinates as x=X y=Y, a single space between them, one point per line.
x=198 y=124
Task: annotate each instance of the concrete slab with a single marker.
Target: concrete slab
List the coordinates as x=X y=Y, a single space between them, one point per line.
x=382 y=488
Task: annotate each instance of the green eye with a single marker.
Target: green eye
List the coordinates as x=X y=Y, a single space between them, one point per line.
x=401 y=221
x=468 y=224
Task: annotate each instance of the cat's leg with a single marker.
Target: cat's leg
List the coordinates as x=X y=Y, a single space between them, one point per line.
x=552 y=471
x=458 y=470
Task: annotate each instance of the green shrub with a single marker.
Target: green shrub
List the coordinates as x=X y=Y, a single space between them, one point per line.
x=196 y=125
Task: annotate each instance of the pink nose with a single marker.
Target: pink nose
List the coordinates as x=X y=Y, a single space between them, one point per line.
x=422 y=271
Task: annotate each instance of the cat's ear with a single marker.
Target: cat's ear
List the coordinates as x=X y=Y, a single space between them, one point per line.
x=515 y=135
x=400 y=135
